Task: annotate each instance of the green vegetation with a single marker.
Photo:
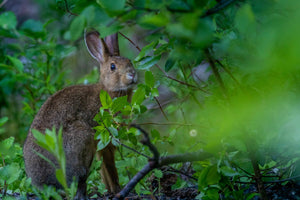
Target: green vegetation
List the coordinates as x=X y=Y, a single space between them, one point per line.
x=245 y=114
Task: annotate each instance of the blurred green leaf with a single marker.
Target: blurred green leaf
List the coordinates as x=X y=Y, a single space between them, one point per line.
x=33 y=27
x=169 y=64
x=155 y=20
x=227 y=171
x=113 y=131
x=77 y=27
x=17 y=63
x=208 y=176
x=146 y=49
x=3 y=120
x=117 y=5
x=147 y=62
x=10 y=173
x=8 y=20
x=139 y=96
x=158 y=173
x=149 y=79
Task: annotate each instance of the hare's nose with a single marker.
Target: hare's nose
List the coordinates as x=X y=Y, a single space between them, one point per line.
x=132 y=76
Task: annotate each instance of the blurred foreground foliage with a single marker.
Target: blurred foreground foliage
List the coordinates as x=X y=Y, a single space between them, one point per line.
x=245 y=112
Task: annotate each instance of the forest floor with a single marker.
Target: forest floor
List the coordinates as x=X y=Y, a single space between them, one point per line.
x=275 y=191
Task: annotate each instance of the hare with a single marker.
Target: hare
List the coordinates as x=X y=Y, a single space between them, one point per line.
x=73 y=109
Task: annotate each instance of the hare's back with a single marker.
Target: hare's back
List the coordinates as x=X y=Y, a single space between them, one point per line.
x=75 y=103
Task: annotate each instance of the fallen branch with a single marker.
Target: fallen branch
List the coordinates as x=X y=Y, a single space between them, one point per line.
x=157 y=162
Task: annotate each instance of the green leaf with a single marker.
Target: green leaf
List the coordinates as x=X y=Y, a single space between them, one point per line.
x=155 y=134
x=105 y=99
x=118 y=104
x=50 y=141
x=116 y=5
x=139 y=96
x=17 y=63
x=208 y=176
x=155 y=20
x=245 y=20
x=169 y=65
x=104 y=140
x=40 y=139
x=132 y=139
x=148 y=62
x=149 y=79
x=10 y=173
x=77 y=27
x=158 y=173
x=155 y=92
x=32 y=26
x=3 y=120
x=61 y=178
x=113 y=131
x=8 y=20
x=227 y=171
x=146 y=49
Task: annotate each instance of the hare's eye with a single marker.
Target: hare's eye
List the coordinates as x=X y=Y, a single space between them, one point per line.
x=113 y=66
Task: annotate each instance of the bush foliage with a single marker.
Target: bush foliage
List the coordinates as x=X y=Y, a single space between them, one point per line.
x=218 y=76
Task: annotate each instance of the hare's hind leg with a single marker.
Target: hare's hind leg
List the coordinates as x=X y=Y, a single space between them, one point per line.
x=79 y=146
x=109 y=172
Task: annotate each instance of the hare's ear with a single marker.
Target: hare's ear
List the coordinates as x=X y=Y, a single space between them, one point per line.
x=113 y=44
x=96 y=46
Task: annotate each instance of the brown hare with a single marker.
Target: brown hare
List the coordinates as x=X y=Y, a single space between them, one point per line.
x=73 y=109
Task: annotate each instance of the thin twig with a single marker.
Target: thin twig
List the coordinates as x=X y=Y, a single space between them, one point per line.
x=229 y=73
x=283 y=180
x=136 y=46
x=182 y=173
x=124 y=145
x=68 y=10
x=3 y=2
x=130 y=148
x=161 y=109
x=215 y=71
x=217 y=8
x=146 y=141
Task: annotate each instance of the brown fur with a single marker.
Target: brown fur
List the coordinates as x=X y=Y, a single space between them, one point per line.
x=74 y=108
